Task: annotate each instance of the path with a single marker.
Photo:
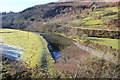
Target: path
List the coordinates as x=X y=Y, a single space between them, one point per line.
x=95 y=52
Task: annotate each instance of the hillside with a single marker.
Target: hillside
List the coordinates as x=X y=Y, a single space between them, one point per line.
x=93 y=19
x=50 y=12
x=36 y=13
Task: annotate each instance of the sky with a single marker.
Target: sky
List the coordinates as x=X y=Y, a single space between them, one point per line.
x=19 y=5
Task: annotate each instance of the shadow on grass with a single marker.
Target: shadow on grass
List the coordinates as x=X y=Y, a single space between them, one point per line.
x=7 y=32
x=96 y=40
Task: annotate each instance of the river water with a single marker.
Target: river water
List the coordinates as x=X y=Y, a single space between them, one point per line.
x=56 y=43
x=10 y=52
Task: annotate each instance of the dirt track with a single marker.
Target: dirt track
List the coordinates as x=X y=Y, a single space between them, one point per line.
x=96 y=53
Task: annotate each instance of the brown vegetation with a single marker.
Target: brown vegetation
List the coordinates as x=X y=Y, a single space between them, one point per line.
x=81 y=64
x=114 y=24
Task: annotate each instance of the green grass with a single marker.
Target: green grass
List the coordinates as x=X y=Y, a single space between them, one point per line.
x=114 y=9
x=105 y=41
x=97 y=18
x=32 y=44
x=93 y=22
x=103 y=11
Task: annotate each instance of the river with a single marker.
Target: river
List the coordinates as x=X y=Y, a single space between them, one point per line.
x=56 y=43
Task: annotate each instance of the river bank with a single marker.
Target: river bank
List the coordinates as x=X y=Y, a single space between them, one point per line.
x=81 y=61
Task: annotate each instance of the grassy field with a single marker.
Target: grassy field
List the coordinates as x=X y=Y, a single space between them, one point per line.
x=105 y=41
x=31 y=44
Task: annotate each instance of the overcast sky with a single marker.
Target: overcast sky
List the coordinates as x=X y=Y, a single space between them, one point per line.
x=19 y=5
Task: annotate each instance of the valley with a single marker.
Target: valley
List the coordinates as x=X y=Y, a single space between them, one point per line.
x=61 y=40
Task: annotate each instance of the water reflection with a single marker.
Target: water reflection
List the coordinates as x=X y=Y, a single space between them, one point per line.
x=10 y=52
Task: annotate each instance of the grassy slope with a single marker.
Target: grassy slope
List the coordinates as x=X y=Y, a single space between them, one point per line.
x=31 y=44
x=96 y=19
